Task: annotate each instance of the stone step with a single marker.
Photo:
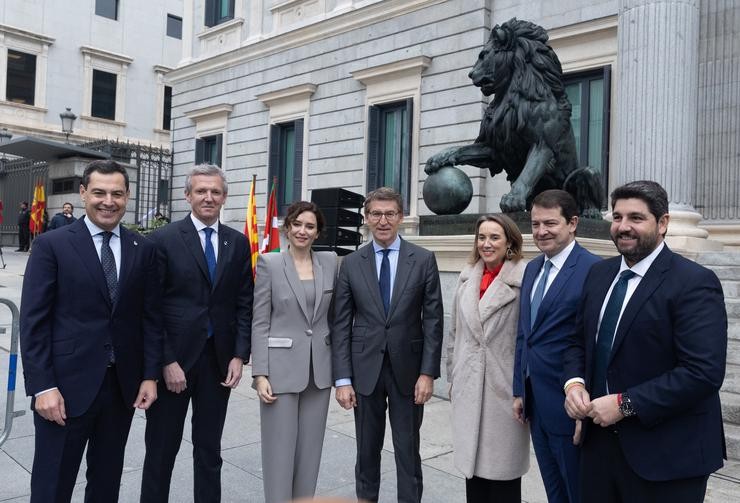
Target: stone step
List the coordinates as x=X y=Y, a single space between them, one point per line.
x=733 y=309
x=718 y=258
x=726 y=272
x=732 y=440
x=732 y=378
x=733 y=352
x=733 y=329
x=731 y=289
x=730 y=407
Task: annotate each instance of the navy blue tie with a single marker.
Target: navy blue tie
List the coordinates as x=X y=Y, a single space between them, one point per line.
x=210 y=254
x=539 y=293
x=211 y=262
x=385 y=280
x=606 y=334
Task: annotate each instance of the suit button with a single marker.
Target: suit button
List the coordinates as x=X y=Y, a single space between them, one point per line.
x=309 y=332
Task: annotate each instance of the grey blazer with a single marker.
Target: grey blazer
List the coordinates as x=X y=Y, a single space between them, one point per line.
x=285 y=335
x=412 y=331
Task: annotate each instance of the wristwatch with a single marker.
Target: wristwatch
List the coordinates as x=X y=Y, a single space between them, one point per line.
x=625 y=405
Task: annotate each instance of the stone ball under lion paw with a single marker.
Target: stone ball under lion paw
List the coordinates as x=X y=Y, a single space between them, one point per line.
x=447 y=191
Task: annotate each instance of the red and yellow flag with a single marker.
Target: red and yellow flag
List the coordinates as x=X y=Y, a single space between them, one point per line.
x=250 y=228
x=36 y=224
x=271 y=235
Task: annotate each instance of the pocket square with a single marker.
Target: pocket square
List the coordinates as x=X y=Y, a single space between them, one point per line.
x=279 y=342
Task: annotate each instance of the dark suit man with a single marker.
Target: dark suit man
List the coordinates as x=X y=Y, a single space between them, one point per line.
x=646 y=363
x=24 y=233
x=207 y=309
x=66 y=217
x=386 y=345
x=90 y=340
x=551 y=288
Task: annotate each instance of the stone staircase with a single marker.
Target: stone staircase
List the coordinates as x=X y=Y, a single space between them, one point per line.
x=727 y=267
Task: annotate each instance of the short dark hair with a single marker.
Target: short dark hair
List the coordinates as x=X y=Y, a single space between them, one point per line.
x=68 y=203
x=299 y=207
x=649 y=191
x=511 y=231
x=384 y=194
x=104 y=167
x=556 y=198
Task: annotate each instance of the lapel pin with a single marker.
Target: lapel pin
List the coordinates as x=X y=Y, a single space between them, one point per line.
x=136 y=243
x=226 y=243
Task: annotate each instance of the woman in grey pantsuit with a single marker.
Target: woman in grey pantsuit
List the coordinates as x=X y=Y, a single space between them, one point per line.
x=291 y=355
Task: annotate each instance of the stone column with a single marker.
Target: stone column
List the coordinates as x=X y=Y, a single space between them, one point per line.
x=657 y=106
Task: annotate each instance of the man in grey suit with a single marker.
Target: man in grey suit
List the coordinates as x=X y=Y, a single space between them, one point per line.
x=386 y=345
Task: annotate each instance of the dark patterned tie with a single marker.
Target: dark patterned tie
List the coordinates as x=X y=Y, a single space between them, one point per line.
x=385 y=280
x=605 y=339
x=539 y=293
x=109 y=266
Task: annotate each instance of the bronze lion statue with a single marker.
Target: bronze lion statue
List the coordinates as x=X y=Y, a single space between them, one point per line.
x=526 y=129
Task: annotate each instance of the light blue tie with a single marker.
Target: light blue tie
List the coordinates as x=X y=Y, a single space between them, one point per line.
x=539 y=293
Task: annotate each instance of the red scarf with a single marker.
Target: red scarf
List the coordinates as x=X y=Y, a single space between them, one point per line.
x=488 y=277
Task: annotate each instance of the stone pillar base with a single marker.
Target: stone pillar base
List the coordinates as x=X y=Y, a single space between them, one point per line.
x=686 y=237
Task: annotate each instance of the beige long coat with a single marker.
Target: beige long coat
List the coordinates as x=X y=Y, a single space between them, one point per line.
x=488 y=441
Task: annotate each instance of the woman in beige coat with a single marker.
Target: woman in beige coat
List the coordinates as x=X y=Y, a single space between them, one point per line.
x=491 y=447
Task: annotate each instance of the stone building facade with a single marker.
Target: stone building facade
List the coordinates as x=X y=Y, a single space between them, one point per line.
x=104 y=59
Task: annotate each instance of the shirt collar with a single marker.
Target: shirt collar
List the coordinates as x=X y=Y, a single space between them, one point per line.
x=199 y=226
x=395 y=245
x=559 y=260
x=641 y=268
x=95 y=230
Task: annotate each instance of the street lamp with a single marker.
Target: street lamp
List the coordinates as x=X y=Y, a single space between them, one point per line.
x=68 y=120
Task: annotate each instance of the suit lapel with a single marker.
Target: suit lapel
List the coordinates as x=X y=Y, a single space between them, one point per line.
x=225 y=250
x=370 y=273
x=318 y=283
x=406 y=261
x=527 y=285
x=82 y=242
x=561 y=279
x=469 y=300
x=291 y=275
x=192 y=243
x=653 y=278
x=128 y=255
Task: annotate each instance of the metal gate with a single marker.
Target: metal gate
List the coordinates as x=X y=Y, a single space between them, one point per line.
x=17 y=180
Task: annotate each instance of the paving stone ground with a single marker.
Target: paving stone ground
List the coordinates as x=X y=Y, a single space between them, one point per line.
x=242 y=473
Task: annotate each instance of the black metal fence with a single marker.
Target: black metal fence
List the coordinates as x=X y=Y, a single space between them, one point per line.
x=18 y=177
x=153 y=186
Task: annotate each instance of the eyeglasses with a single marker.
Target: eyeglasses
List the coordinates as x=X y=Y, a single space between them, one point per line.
x=390 y=216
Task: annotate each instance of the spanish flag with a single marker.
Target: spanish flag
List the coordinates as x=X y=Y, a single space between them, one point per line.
x=271 y=235
x=36 y=224
x=250 y=228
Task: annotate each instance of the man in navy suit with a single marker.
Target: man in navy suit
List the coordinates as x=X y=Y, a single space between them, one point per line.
x=646 y=363
x=551 y=288
x=90 y=340
x=206 y=277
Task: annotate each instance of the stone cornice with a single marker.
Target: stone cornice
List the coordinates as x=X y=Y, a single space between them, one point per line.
x=416 y=64
x=103 y=54
x=347 y=21
x=25 y=34
x=213 y=110
x=301 y=92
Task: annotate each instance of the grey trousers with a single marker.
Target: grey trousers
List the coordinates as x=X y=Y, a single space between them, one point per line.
x=292 y=430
